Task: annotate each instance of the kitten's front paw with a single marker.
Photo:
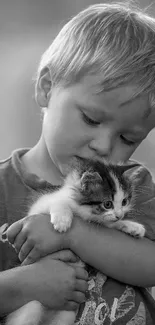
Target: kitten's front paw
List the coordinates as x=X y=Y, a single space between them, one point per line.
x=61 y=220
x=134 y=229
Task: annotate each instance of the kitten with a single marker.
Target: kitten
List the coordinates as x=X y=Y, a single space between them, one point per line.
x=97 y=192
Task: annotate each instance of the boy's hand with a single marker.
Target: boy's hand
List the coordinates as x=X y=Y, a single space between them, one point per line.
x=34 y=237
x=65 y=256
x=55 y=284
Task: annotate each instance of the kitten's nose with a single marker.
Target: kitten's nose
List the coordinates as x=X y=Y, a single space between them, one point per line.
x=119 y=215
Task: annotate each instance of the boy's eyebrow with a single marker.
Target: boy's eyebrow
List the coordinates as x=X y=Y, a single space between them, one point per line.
x=94 y=110
x=131 y=100
x=138 y=133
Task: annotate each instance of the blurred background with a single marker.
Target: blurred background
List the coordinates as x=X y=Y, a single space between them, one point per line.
x=27 y=27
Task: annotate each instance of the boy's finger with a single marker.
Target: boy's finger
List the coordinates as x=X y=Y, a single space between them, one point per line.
x=81 y=273
x=14 y=230
x=71 y=305
x=25 y=251
x=33 y=256
x=81 y=285
x=19 y=241
x=65 y=256
x=3 y=230
x=69 y=256
x=79 y=297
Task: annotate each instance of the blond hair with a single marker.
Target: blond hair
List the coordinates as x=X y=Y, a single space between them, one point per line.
x=114 y=41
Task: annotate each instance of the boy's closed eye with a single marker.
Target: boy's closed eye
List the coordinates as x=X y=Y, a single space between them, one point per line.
x=89 y=120
x=93 y=122
x=131 y=142
x=127 y=141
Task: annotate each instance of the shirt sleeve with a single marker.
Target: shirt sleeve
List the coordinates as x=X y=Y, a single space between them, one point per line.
x=144 y=200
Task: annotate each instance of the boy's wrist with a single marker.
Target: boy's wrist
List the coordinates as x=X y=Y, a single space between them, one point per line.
x=71 y=238
x=13 y=290
x=65 y=240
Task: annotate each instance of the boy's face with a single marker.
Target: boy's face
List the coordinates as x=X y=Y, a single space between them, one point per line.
x=80 y=123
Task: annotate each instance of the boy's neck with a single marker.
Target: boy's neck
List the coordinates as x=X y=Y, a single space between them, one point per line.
x=37 y=161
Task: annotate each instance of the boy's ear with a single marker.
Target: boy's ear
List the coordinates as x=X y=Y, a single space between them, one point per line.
x=43 y=88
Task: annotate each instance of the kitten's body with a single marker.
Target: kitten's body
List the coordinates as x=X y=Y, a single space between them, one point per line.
x=96 y=192
x=84 y=193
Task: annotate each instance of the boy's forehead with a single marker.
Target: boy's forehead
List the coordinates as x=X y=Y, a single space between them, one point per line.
x=123 y=92
x=118 y=101
x=121 y=97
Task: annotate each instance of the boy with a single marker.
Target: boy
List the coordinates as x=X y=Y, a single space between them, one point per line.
x=96 y=85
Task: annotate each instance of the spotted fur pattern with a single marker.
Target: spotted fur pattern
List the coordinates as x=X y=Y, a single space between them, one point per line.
x=97 y=192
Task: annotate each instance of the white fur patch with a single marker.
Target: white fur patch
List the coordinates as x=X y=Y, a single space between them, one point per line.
x=67 y=194
x=61 y=217
x=118 y=198
x=73 y=180
x=62 y=204
x=130 y=227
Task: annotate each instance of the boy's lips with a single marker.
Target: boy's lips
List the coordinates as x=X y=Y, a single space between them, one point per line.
x=93 y=158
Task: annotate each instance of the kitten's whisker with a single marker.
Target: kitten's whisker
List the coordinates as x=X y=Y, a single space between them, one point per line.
x=143 y=188
x=141 y=191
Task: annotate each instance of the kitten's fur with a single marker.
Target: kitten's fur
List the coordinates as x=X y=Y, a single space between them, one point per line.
x=97 y=192
x=85 y=192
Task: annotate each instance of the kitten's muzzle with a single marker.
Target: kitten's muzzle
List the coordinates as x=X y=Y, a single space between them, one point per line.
x=119 y=215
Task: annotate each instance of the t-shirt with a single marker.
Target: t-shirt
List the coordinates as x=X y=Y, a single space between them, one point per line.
x=17 y=189
x=108 y=300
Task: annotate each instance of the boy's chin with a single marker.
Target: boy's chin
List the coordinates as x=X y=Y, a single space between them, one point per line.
x=72 y=163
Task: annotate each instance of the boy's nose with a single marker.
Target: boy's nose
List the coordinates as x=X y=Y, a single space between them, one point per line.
x=102 y=144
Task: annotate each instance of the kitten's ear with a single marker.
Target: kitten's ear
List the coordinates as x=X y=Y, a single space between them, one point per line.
x=141 y=176
x=90 y=181
x=123 y=168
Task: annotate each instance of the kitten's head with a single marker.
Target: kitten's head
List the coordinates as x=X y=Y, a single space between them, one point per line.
x=108 y=190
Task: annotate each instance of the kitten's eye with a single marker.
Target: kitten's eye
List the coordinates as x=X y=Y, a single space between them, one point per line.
x=89 y=121
x=108 y=205
x=124 y=202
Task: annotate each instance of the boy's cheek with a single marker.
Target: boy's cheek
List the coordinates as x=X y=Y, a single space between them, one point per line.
x=122 y=154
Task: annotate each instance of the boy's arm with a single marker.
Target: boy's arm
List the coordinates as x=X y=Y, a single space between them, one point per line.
x=54 y=284
x=114 y=253
x=12 y=295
